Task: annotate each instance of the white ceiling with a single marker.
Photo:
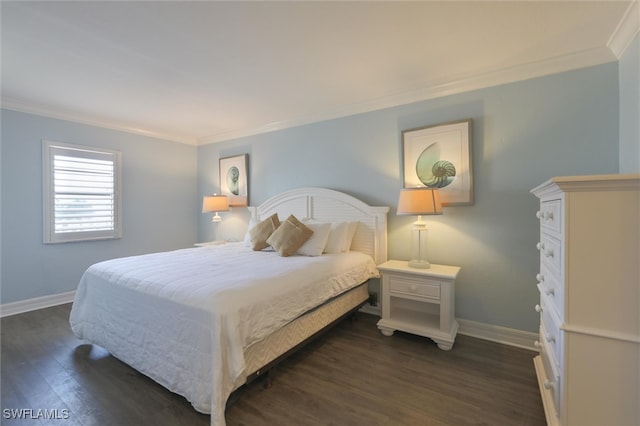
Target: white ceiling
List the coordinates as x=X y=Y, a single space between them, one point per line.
x=202 y=72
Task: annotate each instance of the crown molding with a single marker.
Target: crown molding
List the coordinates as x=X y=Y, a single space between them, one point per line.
x=626 y=30
x=50 y=112
x=435 y=90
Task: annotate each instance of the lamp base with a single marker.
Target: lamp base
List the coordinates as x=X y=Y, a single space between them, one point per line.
x=419 y=264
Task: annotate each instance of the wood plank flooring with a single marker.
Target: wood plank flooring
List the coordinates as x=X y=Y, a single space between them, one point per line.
x=350 y=376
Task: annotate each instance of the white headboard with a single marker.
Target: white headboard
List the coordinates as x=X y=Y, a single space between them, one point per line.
x=328 y=205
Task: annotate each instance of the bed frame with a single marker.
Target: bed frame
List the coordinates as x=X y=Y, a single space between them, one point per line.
x=323 y=205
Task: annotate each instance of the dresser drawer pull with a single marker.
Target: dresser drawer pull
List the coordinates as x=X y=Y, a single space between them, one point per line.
x=540 y=277
x=551 y=338
x=545 y=252
x=549 y=384
x=413 y=287
x=544 y=215
x=537 y=344
x=538 y=308
x=550 y=292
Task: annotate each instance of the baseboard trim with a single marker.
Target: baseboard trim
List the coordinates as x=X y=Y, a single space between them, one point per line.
x=492 y=333
x=495 y=333
x=36 y=303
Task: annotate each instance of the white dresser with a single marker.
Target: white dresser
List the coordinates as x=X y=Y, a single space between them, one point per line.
x=589 y=281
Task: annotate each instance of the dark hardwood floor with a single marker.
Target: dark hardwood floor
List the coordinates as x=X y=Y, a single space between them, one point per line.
x=352 y=375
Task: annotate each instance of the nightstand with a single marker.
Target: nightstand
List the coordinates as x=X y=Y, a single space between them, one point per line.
x=419 y=301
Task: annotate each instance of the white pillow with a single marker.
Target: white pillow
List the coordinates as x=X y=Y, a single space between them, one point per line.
x=337 y=237
x=315 y=245
x=247 y=236
x=352 y=228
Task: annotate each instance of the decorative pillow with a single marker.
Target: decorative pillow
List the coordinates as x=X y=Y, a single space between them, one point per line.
x=262 y=231
x=289 y=236
x=315 y=245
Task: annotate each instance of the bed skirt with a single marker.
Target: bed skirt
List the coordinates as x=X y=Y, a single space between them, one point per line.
x=261 y=355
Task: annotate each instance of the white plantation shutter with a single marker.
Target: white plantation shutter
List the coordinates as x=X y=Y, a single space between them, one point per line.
x=81 y=193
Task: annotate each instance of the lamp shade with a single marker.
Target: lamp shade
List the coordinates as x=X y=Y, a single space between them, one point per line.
x=419 y=201
x=215 y=203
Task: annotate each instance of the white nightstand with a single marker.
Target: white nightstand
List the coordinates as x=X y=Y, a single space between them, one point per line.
x=419 y=301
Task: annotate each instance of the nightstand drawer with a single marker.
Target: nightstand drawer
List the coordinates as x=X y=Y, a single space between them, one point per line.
x=416 y=288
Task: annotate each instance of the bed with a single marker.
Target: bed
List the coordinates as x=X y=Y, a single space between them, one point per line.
x=203 y=321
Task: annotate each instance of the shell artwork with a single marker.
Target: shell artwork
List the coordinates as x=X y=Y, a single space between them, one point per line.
x=233 y=175
x=432 y=171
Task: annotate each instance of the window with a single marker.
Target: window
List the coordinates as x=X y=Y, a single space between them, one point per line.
x=82 y=198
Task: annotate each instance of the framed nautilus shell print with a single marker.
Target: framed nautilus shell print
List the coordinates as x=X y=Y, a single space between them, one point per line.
x=234 y=181
x=440 y=157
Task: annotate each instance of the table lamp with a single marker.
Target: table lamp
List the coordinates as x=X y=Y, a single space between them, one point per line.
x=215 y=203
x=419 y=201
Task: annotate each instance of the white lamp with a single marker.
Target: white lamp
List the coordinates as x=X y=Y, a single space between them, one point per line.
x=215 y=203
x=419 y=201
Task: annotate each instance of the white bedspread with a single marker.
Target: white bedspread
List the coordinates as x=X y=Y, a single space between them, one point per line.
x=185 y=317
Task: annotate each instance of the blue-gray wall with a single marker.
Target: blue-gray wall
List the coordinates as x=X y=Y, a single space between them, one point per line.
x=629 y=77
x=523 y=134
x=160 y=203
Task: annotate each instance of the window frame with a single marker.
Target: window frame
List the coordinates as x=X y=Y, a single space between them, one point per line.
x=49 y=150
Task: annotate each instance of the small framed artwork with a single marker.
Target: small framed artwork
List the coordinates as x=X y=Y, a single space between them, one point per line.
x=440 y=157
x=234 y=180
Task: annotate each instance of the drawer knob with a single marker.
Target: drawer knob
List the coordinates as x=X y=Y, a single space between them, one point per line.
x=548 y=215
x=551 y=338
x=537 y=344
x=550 y=291
x=540 y=246
x=548 y=253
x=413 y=287
x=538 y=308
x=540 y=277
x=548 y=384
x=539 y=214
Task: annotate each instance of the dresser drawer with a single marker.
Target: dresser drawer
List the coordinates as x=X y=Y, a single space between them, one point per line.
x=550 y=216
x=550 y=285
x=421 y=289
x=550 y=332
x=551 y=253
x=552 y=382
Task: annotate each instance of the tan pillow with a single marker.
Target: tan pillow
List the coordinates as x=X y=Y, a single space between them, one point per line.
x=261 y=232
x=289 y=236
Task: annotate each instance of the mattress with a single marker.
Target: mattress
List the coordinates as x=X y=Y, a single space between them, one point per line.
x=185 y=318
